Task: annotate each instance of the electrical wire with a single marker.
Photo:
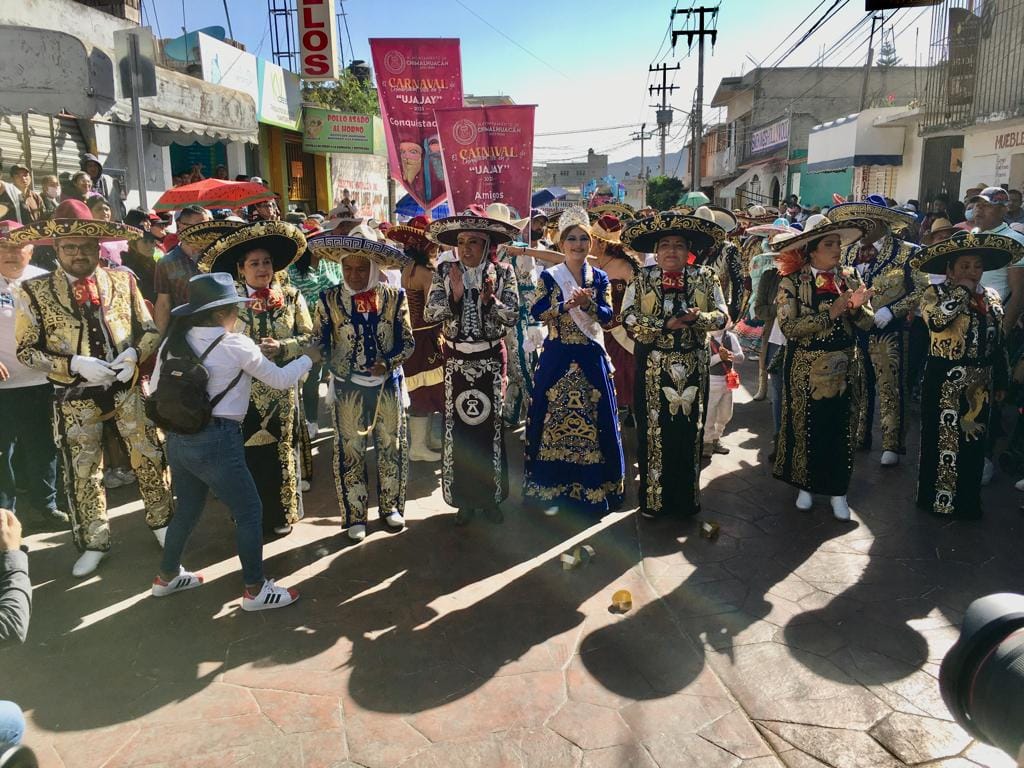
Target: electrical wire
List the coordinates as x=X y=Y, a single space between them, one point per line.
x=516 y=44
x=792 y=31
x=348 y=35
x=587 y=130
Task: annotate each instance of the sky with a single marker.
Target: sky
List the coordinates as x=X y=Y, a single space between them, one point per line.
x=584 y=63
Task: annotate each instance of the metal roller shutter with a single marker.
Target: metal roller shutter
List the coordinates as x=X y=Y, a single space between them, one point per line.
x=55 y=144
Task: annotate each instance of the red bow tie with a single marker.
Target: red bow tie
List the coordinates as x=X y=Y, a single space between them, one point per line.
x=825 y=282
x=672 y=281
x=365 y=302
x=264 y=299
x=866 y=254
x=86 y=292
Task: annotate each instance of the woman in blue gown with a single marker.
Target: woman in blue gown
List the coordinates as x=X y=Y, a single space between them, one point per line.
x=573 y=446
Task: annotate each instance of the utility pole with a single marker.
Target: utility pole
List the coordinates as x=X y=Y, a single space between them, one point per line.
x=665 y=113
x=867 y=64
x=700 y=33
x=642 y=136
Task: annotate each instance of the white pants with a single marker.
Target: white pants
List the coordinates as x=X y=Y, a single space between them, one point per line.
x=719 y=409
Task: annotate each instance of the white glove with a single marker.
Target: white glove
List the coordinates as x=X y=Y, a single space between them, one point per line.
x=331 y=394
x=882 y=317
x=93 y=370
x=125 y=364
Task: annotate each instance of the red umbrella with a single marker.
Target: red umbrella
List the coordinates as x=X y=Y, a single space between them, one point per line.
x=213 y=193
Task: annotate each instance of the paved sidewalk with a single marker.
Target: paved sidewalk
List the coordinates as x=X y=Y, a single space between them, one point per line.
x=791 y=640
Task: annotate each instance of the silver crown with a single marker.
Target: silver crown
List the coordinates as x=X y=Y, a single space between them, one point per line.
x=573 y=217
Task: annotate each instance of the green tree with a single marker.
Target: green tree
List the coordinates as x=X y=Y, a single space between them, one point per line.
x=663 y=192
x=346 y=94
x=887 y=57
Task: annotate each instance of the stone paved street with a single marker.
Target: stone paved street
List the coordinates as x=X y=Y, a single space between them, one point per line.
x=791 y=640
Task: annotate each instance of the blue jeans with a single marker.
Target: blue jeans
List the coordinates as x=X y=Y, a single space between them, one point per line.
x=12 y=723
x=27 y=425
x=214 y=459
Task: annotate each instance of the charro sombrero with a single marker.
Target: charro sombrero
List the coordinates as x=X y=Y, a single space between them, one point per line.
x=817 y=227
x=724 y=218
x=643 y=235
x=754 y=215
x=283 y=241
x=411 y=234
x=996 y=251
x=608 y=228
x=446 y=231
x=362 y=241
x=74 y=219
x=203 y=234
x=873 y=207
x=622 y=211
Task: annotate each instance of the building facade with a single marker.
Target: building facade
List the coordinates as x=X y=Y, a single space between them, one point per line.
x=573 y=175
x=760 y=155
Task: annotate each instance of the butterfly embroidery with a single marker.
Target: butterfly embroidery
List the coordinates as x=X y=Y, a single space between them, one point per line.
x=677 y=400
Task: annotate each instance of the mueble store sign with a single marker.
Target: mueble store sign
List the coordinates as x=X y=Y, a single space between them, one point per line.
x=318 y=42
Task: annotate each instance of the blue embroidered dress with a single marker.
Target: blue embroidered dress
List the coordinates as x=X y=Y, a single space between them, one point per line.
x=573 y=446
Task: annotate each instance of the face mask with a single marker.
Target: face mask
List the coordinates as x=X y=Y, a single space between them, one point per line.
x=969 y=214
x=52 y=191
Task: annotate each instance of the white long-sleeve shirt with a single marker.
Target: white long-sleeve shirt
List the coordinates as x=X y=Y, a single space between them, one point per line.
x=234 y=353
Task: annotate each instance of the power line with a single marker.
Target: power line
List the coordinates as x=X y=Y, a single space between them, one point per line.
x=517 y=45
x=587 y=130
x=793 y=31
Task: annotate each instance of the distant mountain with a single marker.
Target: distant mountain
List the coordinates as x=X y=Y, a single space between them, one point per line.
x=673 y=163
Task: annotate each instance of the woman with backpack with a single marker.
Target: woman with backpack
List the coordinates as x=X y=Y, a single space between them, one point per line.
x=213 y=458
x=278 y=320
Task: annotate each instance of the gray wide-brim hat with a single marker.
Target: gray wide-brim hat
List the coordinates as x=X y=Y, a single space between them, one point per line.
x=208 y=291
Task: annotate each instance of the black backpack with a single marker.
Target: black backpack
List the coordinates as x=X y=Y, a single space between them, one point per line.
x=181 y=403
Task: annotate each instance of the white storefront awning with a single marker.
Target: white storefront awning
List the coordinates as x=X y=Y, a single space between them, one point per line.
x=855 y=141
x=52 y=73
x=204 y=112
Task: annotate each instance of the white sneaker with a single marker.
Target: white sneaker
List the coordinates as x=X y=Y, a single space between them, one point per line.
x=551 y=511
x=87 y=563
x=161 y=535
x=270 y=596
x=840 y=509
x=313 y=429
x=1019 y=485
x=395 y=520
x=804 y=501
x=185 y=580
x=987 y=471
x=357 y=532
x=890 y=458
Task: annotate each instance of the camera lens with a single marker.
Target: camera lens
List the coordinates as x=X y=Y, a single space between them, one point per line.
x=982 y=676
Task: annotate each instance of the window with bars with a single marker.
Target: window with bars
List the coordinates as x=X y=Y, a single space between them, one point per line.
x=301 y=171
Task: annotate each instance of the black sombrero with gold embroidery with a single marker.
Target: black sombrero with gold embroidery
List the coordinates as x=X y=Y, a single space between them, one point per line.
x=996 y=251
x=621 y=211
x=872 y=208
x=643 y=235
x=203 y=234
x=283 y=241
x=73 y=219
x=446 y=231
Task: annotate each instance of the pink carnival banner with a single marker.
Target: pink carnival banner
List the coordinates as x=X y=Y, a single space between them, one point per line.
x=488 y=155
x=415 y=76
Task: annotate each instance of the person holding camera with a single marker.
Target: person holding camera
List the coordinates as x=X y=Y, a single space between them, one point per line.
x=670 y=308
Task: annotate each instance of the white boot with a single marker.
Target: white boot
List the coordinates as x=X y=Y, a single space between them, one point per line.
x=418 y=448
x=87 y=563
x=840 y=509
x=161 y=535
x=987 y=471
x=357 y=532
x=395 y=520
x=890 y=458
x=804 y=501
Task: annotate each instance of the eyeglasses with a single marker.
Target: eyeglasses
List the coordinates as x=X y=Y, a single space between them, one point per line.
x=73 y=249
